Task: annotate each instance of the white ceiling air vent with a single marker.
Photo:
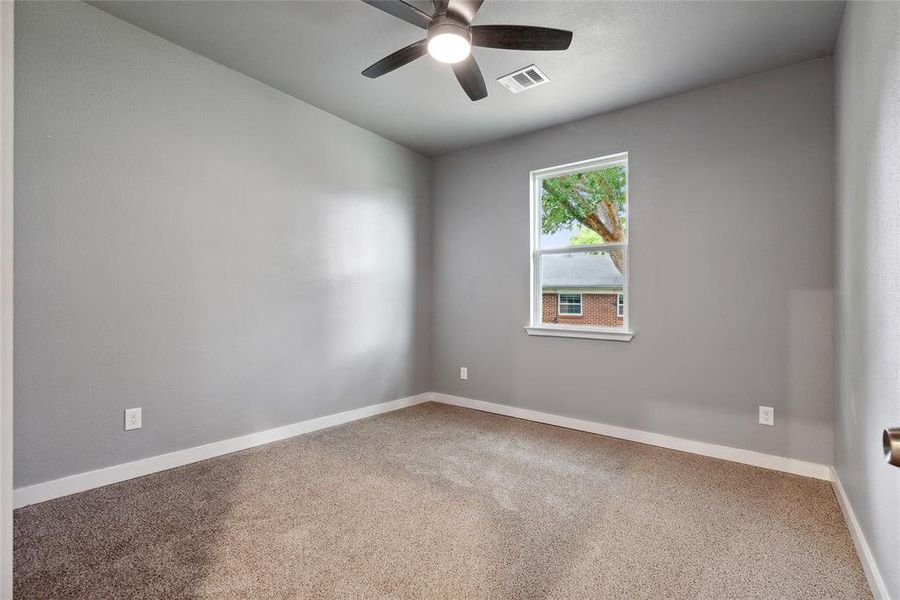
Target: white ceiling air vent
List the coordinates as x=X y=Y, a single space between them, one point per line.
x=523 y=79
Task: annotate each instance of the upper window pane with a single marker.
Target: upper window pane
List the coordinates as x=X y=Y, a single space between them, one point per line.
x=585 y=208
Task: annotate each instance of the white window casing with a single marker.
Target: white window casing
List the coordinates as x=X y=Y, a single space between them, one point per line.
x=536 y=326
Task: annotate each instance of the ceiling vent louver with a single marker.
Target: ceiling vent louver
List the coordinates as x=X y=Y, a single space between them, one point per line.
x=523 y=79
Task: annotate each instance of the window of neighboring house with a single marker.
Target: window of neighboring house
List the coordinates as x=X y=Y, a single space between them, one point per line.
x=579 y=240
x=570 y=304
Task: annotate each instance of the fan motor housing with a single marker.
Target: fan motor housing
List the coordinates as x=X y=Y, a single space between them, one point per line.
x=448 y=24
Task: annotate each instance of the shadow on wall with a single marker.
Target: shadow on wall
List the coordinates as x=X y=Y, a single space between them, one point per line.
x=809 y=333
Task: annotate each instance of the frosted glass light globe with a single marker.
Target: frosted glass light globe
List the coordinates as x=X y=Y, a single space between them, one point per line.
x=449 y=47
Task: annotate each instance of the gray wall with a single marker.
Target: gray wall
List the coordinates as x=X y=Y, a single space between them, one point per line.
x=200 y=245
x=732 y=279
x=7 y=47
x=868 y=271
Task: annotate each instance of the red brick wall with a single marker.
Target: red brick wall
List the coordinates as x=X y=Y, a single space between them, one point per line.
x=596 y=309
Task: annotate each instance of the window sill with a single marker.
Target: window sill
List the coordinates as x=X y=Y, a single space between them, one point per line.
x=577 y=332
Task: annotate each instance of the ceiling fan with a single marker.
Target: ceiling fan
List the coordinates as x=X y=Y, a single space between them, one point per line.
x=451 y=36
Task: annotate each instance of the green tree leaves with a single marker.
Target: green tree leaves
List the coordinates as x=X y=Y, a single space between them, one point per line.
x=594 y=201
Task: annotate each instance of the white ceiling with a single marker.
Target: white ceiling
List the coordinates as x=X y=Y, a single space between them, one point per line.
x=622 y=53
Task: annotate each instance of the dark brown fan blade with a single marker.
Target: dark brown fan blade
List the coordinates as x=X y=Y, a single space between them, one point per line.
x=402 y=10
x=465 y=8
x=469 y=76
x=520 y=37
x=397 y=59
x=440 y=7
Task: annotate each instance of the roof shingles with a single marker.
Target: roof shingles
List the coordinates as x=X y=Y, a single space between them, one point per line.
x=593 y=270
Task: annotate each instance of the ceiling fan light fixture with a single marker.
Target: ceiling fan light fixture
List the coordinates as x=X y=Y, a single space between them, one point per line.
x=449 y=42
x=451 y=36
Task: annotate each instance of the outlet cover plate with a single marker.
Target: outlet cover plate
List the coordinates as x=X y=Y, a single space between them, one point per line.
x=766 y=415
x=132 y=418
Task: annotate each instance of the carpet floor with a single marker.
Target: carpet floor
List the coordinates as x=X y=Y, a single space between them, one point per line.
x=435 y=501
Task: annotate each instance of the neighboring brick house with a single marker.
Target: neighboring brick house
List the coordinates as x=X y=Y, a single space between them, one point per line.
x=581 y=289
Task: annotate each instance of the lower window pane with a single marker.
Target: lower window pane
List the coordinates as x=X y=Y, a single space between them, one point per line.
x=583 y=288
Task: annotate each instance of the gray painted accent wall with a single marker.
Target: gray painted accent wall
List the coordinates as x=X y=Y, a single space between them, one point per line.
x=732 y=268
x=868 y=277
x=193 y=242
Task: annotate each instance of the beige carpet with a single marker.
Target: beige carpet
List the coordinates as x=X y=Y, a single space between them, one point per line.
x=441 y=502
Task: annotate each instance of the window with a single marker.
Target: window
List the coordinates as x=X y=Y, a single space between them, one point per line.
x=579 y=249
x=570 y=304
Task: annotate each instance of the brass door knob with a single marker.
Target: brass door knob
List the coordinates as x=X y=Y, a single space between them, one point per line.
x=891 y=441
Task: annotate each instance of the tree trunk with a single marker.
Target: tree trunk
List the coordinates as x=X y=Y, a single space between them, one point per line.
x=611 y=230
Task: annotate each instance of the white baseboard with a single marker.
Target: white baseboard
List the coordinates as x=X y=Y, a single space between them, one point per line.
x=92 y=479
x=80 y=482
x=748 y=457
x=870 y=567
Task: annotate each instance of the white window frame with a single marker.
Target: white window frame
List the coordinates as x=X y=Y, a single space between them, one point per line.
x=620 y=305
x=535 y=326
x=559 y=304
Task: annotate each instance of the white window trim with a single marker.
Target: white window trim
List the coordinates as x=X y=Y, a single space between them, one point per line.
x=579 y=331
x=535 y=326
x=620 y=306
x=559 y=303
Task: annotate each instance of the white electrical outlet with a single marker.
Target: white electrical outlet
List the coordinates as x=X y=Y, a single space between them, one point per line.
x=766 y=415
x=463 y=372
x=132 y=418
